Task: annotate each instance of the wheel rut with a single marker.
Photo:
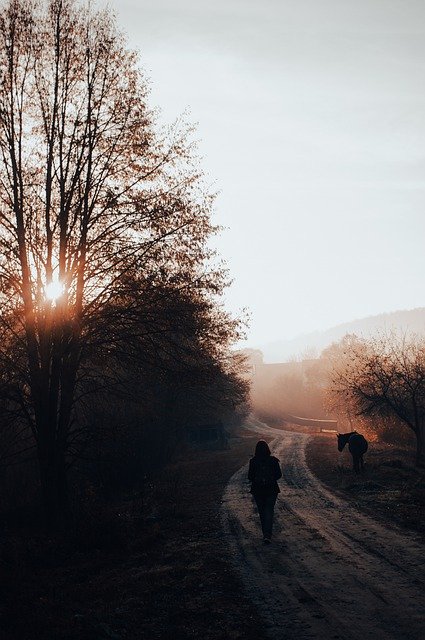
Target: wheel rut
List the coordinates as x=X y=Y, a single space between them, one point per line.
x=331 y=571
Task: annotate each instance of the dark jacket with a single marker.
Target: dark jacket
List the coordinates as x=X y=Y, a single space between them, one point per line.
x=273 y=465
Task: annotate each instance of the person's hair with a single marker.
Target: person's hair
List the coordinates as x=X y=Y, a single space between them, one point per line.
x=262 y=448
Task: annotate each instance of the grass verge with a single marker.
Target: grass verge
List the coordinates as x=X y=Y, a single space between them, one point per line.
x=391 y=487
x=147 y=566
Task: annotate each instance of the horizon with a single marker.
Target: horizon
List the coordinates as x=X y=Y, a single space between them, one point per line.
x=298 y=345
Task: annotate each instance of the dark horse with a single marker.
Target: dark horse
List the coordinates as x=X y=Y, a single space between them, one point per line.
x=357 y=446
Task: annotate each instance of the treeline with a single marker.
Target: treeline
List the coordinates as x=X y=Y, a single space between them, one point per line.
x=113 y=339
x=151 y=368
x=374 y=385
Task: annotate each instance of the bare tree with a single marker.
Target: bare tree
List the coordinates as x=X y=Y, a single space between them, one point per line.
x=89 y=192
x=334 y=360
x=385 y=376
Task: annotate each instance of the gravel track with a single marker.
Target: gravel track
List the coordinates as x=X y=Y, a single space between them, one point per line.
x=331 y=571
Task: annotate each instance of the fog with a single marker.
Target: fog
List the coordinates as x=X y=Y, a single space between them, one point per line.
x=310 y=345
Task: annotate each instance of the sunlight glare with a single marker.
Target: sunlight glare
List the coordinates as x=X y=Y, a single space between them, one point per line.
x=54 y=290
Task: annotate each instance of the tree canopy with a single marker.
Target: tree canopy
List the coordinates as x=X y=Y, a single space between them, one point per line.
x=101 y=213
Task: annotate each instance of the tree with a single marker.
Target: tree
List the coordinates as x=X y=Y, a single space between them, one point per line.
x=385 y=376
x=90 y=192
x=153 y=378
x=334 y=360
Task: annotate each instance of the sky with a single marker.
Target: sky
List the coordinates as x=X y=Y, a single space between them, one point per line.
x=311 y=125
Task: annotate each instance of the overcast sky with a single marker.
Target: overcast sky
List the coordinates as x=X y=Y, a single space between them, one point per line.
x=311 y=120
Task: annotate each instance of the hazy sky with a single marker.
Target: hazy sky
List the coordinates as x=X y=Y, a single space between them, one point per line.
x=311 y=117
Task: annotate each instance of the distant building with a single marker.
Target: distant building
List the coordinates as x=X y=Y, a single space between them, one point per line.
x=265 y=374
x=269 y=381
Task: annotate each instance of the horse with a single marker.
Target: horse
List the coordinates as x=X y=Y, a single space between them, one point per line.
x=357 y=446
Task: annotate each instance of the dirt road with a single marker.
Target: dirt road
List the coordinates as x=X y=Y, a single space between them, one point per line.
x=330 y=572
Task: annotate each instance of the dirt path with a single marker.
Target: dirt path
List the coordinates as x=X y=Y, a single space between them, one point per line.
x=331 y=572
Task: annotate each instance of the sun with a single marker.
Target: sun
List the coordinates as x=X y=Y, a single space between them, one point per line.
x=54 y=290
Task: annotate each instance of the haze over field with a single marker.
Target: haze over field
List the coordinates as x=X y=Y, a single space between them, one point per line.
x=309 y=345
x=311 y=123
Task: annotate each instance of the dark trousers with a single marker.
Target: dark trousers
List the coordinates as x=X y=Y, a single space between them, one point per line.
x=265 y=505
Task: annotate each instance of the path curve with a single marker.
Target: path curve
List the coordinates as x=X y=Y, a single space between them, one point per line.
x=331 y=572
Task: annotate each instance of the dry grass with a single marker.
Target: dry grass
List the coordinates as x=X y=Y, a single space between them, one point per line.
x=151 y=565
x=391 y=487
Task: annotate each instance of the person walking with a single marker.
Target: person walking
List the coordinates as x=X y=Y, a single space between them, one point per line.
x=264 y=471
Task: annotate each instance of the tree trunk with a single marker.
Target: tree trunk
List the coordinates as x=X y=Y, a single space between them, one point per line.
x=56 y=388
x=420 y=442
x=52 y=464
x=54 y=487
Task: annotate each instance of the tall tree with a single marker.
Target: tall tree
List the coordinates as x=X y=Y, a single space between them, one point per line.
x=89 y=192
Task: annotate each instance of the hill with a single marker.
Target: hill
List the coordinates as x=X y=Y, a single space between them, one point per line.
x=311 y=344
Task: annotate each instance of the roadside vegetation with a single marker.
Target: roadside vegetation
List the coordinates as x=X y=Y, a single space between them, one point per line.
x=375 y=386
x=113 y=338
x=391 y=488
x=114 y=344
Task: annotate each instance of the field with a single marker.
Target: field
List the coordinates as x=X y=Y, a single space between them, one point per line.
x=156 y=563
x=391 y=487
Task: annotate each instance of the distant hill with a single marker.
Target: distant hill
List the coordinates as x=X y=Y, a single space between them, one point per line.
x=311 y=344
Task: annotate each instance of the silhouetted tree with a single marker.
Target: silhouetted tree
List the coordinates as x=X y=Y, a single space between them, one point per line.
x=336 y=358
x=150 y=369
x=166 y=349
x=90 y=192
